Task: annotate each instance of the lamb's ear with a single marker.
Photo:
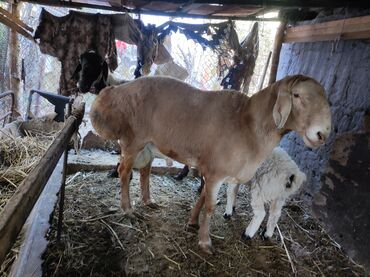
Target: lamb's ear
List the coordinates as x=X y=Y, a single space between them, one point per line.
x=105 y=71
x=75 y=76
x=282 y=108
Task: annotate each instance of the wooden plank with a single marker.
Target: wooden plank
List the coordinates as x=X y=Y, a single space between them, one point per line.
x=20 y=205
x=351 y=28
x=28 y=262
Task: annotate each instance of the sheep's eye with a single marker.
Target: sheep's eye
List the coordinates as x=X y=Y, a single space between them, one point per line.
x=296 y=95
x=291 y=178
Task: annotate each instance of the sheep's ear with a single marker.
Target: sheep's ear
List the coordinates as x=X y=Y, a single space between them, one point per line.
x=75 y=76
x=105 y=71
x=282 y=108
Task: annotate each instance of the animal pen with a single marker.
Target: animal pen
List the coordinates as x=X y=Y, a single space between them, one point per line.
x=60 y=209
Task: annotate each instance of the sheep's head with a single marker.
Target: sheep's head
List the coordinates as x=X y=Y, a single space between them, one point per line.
x=301 y=106
x=91 y=71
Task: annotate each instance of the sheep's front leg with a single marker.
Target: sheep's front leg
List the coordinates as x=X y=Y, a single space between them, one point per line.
x=210 y=190
x=232 y=191
x=258 y=215
x=124 y=169
x=274 y=215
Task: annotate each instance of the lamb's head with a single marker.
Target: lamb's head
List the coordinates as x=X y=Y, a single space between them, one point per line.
x=293 y=181
x=301 y=106
x=91 y=71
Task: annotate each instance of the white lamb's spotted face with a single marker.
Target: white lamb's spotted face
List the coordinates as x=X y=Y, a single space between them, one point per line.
x=294 y=182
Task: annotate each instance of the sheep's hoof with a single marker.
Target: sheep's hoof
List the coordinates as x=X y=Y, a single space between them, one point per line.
x=180 y=176
x=206 y=247
x=245 y=237
x=140 y=216
x=192 y=228
x=234 y=209
x=263 y=235
x=152 y=205
x=227 y=216
x=113 y=174
x=128 y=212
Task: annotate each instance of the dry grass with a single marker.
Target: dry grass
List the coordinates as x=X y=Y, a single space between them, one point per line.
x=18 y=156
x=99 y=241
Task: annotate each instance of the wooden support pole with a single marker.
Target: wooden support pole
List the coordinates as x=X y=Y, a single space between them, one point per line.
x=14 y=59
x=276 y=52
x=262 y=80
x=20 y=205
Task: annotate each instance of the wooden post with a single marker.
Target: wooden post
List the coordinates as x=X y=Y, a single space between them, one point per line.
x=276 y=52
x=14 y=59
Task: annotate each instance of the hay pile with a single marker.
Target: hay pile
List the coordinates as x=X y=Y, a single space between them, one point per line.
x=97 y=240
x=18 y=156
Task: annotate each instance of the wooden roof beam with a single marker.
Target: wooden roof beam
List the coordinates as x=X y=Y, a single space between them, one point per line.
x=350 y=28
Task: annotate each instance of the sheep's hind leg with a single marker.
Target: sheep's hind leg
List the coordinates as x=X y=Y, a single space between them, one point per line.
x=144 y=186
x=274 y=215
x=193 y=223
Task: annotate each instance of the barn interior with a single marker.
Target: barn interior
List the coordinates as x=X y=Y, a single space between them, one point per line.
x=59 y=205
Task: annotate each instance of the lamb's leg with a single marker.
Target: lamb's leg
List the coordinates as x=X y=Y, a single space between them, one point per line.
x=211 y=189
x=124 y=173
x=274 y=215
x=232 y=191
x=144 y=185
x=258 y=215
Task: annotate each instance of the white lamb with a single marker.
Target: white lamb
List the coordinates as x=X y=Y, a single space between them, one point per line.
x=276 y=180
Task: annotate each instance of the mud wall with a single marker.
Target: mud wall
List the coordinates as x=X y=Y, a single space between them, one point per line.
x=338 y=173
x=343 y=68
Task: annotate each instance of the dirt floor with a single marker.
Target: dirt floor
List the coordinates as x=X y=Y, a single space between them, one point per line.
x=99 y=241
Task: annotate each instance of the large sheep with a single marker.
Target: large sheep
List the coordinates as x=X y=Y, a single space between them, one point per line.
x=225 y=134
x=277 y=179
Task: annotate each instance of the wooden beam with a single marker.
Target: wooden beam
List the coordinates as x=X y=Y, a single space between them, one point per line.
x=76 y=5
x=351 y=28
x=6 y=21
x=20 y=205
x=276 y=52
x=15 y=20
x=14 y=53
